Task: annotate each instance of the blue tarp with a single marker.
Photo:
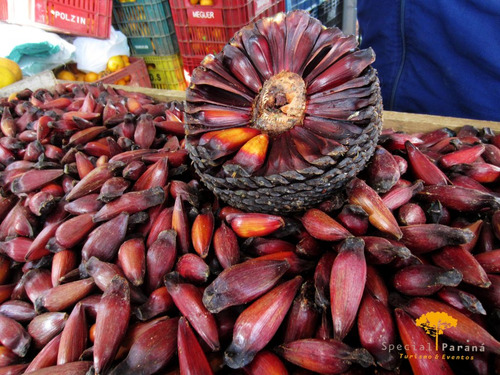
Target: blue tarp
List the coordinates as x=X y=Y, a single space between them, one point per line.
x=439 y=57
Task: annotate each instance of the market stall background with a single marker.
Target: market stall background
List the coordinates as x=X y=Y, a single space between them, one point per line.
x=170 y=37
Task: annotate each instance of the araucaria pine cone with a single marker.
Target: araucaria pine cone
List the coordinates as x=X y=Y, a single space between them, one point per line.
x=284 y=116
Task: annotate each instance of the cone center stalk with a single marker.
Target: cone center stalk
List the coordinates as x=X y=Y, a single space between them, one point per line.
x=280 y=104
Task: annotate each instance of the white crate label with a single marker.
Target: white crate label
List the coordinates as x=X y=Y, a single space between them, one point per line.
x=61 y=16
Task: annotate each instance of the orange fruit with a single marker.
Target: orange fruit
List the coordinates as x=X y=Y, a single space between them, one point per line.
x=115 y=63
x=121 y=82
x=194 y=2
x=80 y=76
x=66 y=75
x=7 y=77
x=206 y=2
x=126 y=60
x=91 y=77
x=127 y=78
x=12 y=66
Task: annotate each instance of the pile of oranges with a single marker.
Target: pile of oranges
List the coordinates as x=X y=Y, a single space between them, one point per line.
x=114 y=64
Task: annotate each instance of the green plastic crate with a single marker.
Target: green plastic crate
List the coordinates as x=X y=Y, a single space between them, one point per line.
x=148 y=26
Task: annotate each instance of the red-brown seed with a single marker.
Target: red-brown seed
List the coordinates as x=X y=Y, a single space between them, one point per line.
x=322 y=274
x=180 y=223
x=14 y=336
x=424 y=279
x=134 y=170
x=192 y=359
x=132 y=260
x=254 y=224
x=307 y=246
x=145 y=131
x=383 y=170
x=34 y=179
x=151 y=350
x=465 y=155
x=411 y=213
x=159 y=301
x=156 y=175
x=111 y=323
x=14 y=369
x=112 y=189
x=258 y=323
x=347 y=282
x=18 y=310
x=74 y=230
x=380 y=250
x=354 y=218
x=46 y=326
x=77 y=367
x=297 y=265
x=192 y=268
x=324 y=356
x=202 y=232
x=84 y=205
x=226 y=246
x=323 y=227
x=62 y=262
x=467 y=332
x=18 y=222
x=423 y=168
x=5 y=264
x=379 y=214
x=104 y=241
x=73 y=337
x=63 y=296
x=6 y=291
x=489 y=260
x=238 y=285
x=41 y=203
x=459 y=198
x=377 y=330
x=130 y=203
x=463 y=301
x=188 y=299
x=264 y=363
x=16 y=248
x=456 y=257
x=160 y=222
x=301 y=321
x=7 y=357
x=160 y=258
x=93 y=181
x=36 y=283
x=418 y=346
x=424 y=238
x=83 y=164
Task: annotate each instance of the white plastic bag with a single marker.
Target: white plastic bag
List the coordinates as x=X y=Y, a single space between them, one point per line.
x=35 y=50
x=92 y=54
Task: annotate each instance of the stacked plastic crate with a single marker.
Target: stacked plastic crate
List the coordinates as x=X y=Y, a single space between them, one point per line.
x=150 y=31
x=205 y=26
x=87 y=18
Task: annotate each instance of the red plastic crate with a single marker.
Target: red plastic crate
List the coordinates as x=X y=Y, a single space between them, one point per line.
x=202 y=30
x=136 y=71
x=77 y=17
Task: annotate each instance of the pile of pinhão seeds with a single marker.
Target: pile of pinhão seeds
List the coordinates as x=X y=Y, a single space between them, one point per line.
x=115 y=259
